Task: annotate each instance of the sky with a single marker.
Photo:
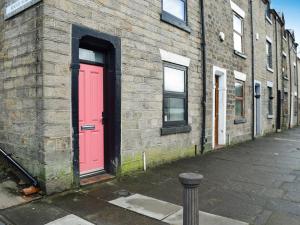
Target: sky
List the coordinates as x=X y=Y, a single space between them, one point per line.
x=291 y=10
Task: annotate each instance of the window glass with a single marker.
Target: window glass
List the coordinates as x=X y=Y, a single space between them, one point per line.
x=174 y=80
x=175 y=95
x=269 y=54
x=237 y=24
x=238 y=33
x=175 y=7
x=92 y=56
x=174 y=109
x=238 y=108
x=239 y=99
x=239 y=90
x=237 y=42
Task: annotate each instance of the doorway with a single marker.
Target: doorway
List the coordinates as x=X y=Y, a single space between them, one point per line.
x=91 y=126
x=257 y=105
x=96 y=103
x=219 y=108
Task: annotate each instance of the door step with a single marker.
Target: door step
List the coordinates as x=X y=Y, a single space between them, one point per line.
x=96 y=179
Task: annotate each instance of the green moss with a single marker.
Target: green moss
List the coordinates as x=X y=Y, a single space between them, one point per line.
x=134 y=161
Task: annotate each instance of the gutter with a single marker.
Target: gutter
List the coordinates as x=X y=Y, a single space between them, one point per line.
x=203 y=102
x=253 y=68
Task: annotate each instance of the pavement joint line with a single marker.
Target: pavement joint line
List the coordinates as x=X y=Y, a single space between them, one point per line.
x=173 y=216
x=284 y=139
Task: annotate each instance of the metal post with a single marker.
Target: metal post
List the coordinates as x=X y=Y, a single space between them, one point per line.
x=191 y=183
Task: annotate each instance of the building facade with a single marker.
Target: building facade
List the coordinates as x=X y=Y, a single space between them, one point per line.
x=91 y=87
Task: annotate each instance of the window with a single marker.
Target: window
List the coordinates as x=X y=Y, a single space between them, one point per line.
x=175 y=96
x=239 y=99
x=175 y=12
x=270 y=101
x=238 y=32
x=269 y=54
x=295 y=76
x=268 y=14
x=175 y=8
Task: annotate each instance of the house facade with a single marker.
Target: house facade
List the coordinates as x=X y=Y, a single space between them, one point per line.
x=93 y=87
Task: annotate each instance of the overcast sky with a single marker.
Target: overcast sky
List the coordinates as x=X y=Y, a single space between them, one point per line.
x=291 y=10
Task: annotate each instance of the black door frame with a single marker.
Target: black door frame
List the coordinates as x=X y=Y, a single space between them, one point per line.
x=111 y=46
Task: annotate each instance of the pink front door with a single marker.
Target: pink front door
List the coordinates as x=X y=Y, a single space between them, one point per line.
x=91 y=129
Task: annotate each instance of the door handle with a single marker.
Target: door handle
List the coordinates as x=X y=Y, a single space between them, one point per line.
x=88 y=127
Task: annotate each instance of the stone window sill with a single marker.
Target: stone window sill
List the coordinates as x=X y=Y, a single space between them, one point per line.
x=175 y=130
x=270 y=69
x=270 y=117
x=240 y=54
x=269 y=20
x=240 y=121
x=172 y=20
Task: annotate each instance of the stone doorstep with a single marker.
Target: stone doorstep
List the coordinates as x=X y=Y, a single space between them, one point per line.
x=70 y=220
x=167 y=212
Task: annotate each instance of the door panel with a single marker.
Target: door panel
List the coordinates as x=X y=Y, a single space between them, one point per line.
x=91 y=129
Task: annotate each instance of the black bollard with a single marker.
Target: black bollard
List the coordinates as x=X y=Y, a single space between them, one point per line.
x=191 y=183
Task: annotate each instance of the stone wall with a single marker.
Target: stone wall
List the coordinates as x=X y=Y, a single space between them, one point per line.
x=142 y=34
x=21 y=88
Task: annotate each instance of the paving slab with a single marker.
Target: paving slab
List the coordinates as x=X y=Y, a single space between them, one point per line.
x=8 y=195
x=147 y=206
x=70 y=220
x=204 y=218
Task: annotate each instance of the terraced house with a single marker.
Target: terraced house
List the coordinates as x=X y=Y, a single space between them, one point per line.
x=109 y=87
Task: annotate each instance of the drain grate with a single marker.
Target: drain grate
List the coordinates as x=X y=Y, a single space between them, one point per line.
x=123 y=193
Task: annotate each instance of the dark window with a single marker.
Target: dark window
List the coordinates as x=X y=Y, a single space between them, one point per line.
x=268 y=12
x=269 y=54
x=175 y=96
x=239 y=99
x=284 y=66
x=238 y=32
x=270 y=101
x=284 y=35
x=175 y=12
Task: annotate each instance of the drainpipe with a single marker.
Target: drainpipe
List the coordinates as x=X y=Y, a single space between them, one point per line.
x=203 y=102
x=297 y=85
x=290 y=119
x=253 y=67
x=277 y=74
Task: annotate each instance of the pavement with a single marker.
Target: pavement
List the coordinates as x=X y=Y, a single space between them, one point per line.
x=257 y=182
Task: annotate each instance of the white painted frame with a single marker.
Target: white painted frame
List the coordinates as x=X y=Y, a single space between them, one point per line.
x=222 y=74
x=260 y=110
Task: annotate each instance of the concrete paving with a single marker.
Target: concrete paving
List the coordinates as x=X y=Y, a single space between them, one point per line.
x=167 y=212
x=70 y=220
x=144 y=205
x=255 y=182
x=9 y=195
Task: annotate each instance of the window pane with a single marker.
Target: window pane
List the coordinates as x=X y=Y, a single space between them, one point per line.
x=237 y=24
x=237 y=42
x=238 y=108
x=175 y=7
x=239 y=92
x=174 y=109
x=92 y=56
x=174 y=80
